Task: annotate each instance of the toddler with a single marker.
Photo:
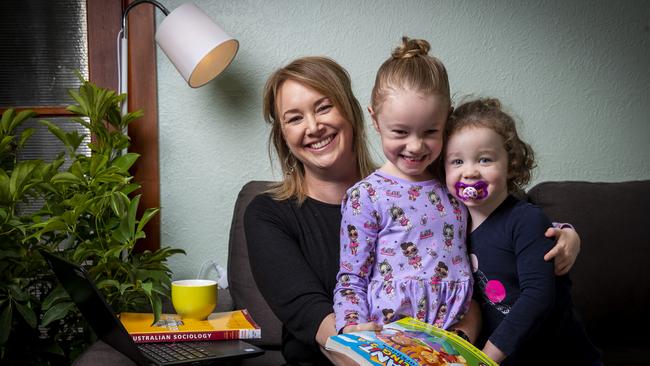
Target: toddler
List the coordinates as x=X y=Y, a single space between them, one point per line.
x=528 y=316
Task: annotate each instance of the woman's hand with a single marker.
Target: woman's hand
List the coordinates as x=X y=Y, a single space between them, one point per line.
x=326 y=329
x=565 y=250
x=494 y=352
x=338 y=359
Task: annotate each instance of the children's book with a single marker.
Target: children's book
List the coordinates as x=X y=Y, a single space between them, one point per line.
x=408 y=342
x=172 y=328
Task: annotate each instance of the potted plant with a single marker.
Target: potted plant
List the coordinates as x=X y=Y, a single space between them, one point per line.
x=88 y=215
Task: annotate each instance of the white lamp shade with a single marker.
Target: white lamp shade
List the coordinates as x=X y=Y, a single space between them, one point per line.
x=199 y=49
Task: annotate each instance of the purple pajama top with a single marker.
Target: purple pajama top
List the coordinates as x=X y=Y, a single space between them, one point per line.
x=403 y=253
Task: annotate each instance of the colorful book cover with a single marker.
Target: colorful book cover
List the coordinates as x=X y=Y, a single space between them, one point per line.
x=408 y=342
x=172 y=328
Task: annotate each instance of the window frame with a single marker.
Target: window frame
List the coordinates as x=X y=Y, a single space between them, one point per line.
x=104 y=20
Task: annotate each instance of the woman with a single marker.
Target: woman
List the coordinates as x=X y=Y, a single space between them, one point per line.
x=293 y=230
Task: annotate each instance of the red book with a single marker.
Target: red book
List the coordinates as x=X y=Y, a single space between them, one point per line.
x=172 y=328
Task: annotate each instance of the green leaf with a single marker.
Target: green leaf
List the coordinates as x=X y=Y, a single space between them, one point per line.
x=108 y=283
x=56 y=312
x=55 y=130
x=7 y=117
x=18 y=293
x=74 y=139
x=27 y=313
x=130 y=188
x=67 y=178
x=55 y=349
x=125 y=161
x=119 y=201
x=77 y=170
x=110 y=175
x=52 y=224
x=26 y=134
x=5 y=193
x=5 y=142
x=156 y=307
x=22 y=116
x=113 y=252
x=20 y=177
x=121 y=233
x=146 y=216
x=124 y=287
x=57 y=295
x=97 y=163
x=147 y=286
x=5 y=323
x=133 y=208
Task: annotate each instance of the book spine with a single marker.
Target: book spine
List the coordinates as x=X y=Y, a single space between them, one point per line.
x=196 y=336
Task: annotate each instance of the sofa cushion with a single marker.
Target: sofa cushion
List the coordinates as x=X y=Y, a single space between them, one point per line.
x=611 y=278
x=243 y=289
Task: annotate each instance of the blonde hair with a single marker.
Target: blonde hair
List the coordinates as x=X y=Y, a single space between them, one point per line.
x=330 y=79
x=488 y=113
x=411 y=68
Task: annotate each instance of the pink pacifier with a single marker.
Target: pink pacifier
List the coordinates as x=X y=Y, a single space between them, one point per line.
x=476 y=191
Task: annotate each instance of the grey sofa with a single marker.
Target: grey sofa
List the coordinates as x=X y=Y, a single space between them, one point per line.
x=611 y=279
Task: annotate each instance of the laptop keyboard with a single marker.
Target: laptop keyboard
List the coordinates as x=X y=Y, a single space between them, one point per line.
x=170 y=352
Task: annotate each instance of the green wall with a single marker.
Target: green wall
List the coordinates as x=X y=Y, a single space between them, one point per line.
x=575 y=73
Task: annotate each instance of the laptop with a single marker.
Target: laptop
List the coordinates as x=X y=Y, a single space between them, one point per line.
x=109 y=329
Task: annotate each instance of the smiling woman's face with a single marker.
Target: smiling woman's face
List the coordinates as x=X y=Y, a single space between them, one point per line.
x=314 y=129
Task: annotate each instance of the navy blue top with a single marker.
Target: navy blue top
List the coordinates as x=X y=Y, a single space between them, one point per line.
x=527 y=310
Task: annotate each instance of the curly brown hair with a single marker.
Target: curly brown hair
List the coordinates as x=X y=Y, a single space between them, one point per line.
x=488 y=112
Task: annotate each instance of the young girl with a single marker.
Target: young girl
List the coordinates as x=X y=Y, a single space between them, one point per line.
x=403 y=247
x=527 y=311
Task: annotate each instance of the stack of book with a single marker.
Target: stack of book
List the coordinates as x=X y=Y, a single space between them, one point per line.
x=172 y=328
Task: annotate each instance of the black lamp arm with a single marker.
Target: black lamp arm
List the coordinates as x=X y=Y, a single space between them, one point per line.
x=136 y=3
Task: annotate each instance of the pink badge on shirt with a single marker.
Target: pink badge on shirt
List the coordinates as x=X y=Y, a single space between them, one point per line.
x=495 y=291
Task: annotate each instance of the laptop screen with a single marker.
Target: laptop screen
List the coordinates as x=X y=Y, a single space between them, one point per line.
x=93 y=307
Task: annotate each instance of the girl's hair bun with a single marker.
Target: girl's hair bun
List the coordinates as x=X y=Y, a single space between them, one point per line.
x=411 y=48
x=492 y=103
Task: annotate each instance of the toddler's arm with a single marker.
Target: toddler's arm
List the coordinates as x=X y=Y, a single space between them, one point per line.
x=471 y=322
x=536 y=296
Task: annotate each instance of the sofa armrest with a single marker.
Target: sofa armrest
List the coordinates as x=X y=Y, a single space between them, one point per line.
x=611 y=277
x=224 y=301
x=243 y=288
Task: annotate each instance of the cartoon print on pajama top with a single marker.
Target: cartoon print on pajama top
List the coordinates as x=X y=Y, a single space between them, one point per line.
x=410 y=257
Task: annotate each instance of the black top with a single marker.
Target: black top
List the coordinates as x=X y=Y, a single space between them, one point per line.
x=294 y=256
x=527 y=310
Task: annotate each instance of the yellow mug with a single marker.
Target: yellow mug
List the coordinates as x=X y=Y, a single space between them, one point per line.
x=194 y=299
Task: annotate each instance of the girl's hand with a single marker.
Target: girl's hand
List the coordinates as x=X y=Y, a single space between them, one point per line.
x=565 y=250
x=361 y=327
